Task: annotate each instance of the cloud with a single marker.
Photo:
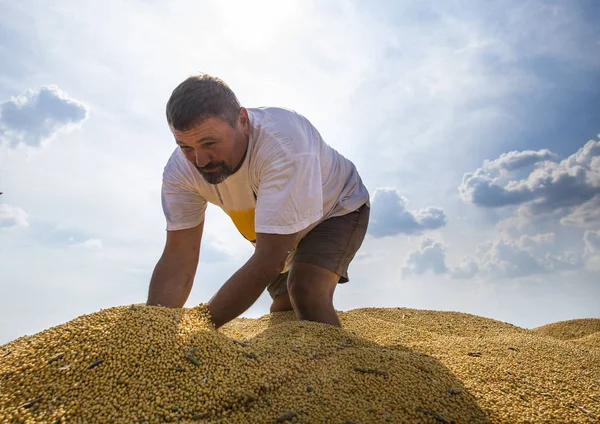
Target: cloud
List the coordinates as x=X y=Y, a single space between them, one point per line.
x=92 y=244
x=481 y=189
x=518 y=257
x=468 y=268
x=389 y=215
x=12 y=216
x=430 y=257
x=592 y=242
x=569 y=187
x=36 y=116
x=586 y=215
x=514 y=160
x=508 y=258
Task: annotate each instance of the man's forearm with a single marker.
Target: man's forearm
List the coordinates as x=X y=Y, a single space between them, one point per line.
x=171 y=283
x=241 y=290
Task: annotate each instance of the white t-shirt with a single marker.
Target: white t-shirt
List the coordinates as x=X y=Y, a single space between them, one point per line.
x=289 y=182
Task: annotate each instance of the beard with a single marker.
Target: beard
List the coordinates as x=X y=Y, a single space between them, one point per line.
x=218 y=172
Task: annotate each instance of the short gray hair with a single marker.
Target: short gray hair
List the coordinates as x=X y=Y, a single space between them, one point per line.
x=200 y=97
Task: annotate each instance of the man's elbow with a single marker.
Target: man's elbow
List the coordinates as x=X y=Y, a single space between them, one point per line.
x=273 y=250
x=272 y=265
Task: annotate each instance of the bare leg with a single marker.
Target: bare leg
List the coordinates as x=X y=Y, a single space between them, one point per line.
x=282 y=303
x=311 y=291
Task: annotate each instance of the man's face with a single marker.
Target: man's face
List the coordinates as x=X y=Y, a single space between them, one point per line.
x=214 y=147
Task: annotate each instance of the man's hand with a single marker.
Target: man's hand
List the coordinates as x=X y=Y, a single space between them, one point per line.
x=247 y=284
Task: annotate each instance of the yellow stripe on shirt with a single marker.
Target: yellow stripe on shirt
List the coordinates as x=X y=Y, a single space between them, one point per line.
x=244 y=221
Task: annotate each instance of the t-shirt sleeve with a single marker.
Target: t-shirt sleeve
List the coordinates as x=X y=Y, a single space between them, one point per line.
x=290 y=192
x=182 y=205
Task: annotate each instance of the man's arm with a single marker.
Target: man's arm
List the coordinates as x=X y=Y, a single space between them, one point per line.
x=247 y=284
x=173 y=276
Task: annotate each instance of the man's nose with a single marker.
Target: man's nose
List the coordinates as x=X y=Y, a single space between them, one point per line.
x=202 y=159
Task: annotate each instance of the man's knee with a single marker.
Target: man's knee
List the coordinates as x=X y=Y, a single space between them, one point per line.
x=313 y=305
x=306 y=298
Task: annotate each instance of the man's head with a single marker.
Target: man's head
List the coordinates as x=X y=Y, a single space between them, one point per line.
x=209 y=125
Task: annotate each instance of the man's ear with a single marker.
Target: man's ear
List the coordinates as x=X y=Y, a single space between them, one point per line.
x=244 y=120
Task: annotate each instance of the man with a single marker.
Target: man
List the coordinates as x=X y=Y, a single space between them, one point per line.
x=301 y=203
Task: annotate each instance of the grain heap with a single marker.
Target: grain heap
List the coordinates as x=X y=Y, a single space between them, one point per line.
x=570 y=330
x=584 y=332
x=153 y=364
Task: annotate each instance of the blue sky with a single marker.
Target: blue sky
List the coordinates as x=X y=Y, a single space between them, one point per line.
x=475 y=128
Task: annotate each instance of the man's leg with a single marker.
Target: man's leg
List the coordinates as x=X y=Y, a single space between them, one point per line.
x=320 y=263
x=278 y=292
x=281 y=303
x=311 y=293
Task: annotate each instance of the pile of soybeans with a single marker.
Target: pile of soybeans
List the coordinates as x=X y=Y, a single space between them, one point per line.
x=144 y=364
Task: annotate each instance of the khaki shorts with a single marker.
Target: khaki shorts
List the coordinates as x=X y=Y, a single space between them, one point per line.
x=331 y=245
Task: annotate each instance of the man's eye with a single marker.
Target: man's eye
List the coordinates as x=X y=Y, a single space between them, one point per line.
x=209 y=144
x=186 y=148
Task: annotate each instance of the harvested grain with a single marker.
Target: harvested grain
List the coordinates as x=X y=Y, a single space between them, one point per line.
x=571 y=329
x=155 y=365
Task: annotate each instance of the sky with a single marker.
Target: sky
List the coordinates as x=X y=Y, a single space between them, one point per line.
x=474 y=125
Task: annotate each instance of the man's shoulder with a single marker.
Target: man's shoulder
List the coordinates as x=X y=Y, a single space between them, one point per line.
x=273 y=111
x=275 y=116
x=177 y=166
x=175 y=160
x=278 y=122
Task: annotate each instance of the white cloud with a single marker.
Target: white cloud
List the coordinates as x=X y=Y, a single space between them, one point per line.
x=518 y=257
x=514 y=160
x=389 y=215
x=261 y=22
x=548 y=194
x=586 y=215
x=12 y=216
x=506 y=258
x=430 y=256
x=468 y=268
x=482 y=189
x=565 y=187
x=36 y=116
x=93 y=243
x=592 y=242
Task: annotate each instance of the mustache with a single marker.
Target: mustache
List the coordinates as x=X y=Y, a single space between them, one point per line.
x=212 y=166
